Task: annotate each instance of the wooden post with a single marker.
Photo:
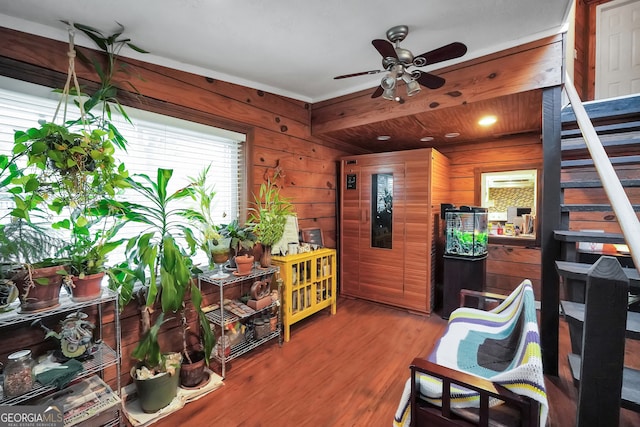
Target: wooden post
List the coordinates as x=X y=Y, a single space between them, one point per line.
x=603 y=341
x=549 y=213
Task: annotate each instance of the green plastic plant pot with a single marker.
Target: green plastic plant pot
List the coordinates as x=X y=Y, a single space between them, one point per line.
x=156 y=393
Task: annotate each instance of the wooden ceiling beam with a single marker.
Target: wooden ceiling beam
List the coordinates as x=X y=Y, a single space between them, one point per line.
x=523 y=68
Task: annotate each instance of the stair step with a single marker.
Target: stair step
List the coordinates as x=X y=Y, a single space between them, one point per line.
x=623 y=160
x=588 y=236
x=619 y=140
x=630 y=383
x=603 y=130
x=627 y=183
x=592 y=208
x=575 y=310
x=605 y=109
x=579 y=271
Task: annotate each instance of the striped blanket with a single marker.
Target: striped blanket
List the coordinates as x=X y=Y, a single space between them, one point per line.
x=501 y=345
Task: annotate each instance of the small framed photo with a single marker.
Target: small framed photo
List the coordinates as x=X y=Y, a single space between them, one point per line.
x=312 y=236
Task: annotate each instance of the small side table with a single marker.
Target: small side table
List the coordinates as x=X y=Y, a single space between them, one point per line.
x=461 y=273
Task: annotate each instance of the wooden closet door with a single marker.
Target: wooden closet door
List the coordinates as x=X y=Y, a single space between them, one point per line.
x=382 y=232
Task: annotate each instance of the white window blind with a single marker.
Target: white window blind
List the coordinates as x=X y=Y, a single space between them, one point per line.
x=154 y=141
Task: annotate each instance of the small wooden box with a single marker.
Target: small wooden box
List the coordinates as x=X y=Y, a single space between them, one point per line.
x=259 y=304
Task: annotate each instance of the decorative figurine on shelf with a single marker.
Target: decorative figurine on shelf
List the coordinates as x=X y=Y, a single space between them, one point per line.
x=75 y=336
x=260 y=295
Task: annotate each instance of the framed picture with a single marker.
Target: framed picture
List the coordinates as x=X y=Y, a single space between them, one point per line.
x=312 y=236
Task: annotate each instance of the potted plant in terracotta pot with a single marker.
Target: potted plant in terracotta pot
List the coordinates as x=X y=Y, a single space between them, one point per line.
x=244 y=264
x=269 y=214
x=27 y=261
x=91 y=242
x=27 y=247
x=243 y=239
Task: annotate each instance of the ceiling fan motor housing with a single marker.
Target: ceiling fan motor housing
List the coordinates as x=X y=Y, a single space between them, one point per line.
x=404 y=56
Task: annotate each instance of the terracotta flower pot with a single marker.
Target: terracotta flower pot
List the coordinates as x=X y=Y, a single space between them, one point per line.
x=87 y=288
x=244 y=264
x=39 y=290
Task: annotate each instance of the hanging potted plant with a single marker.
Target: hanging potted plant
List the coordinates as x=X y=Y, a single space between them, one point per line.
x=69 y=165
x=269 y=214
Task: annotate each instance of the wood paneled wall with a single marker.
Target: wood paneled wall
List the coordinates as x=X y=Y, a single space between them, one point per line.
x=584 y=74
x=507 y=265
x=277 y=128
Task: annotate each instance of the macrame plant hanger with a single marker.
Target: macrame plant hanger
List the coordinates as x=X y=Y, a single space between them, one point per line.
x=71 y=75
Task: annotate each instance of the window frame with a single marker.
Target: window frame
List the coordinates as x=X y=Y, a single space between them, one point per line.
x=512 y=240
x=190 y=115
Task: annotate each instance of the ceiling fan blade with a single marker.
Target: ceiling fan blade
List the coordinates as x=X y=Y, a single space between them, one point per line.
x=450 y=51
x=385 y=48
x=378 y=92
x=431 y=81
x=344 y=76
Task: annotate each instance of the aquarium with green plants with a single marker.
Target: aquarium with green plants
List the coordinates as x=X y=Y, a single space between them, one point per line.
x=466 y=233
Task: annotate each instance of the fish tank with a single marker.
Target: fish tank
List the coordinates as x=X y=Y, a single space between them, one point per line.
x=466 y=232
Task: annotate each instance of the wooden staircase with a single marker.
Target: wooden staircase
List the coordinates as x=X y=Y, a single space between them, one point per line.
x=592 y=269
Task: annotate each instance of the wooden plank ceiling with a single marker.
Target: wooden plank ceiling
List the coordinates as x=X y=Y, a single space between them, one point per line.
x=507 y=84
x=516 y=114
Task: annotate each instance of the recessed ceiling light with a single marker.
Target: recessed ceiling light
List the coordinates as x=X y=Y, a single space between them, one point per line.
x=451 y=135
x=383 y=138
x=487 y=120
x=426 y=138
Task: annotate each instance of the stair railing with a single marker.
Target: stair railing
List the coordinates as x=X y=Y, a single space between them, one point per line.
x=610 y=182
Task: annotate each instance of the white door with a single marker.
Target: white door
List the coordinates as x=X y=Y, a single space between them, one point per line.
x=618 y=48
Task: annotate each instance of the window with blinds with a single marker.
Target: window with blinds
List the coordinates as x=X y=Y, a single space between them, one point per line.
x=154 y=141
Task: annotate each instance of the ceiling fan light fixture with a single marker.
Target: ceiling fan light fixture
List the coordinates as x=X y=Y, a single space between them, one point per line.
x=390 y=94
x=388 y=82
x=413 y=87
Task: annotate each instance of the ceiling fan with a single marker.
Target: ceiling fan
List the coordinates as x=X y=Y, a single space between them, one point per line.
x=396 y=61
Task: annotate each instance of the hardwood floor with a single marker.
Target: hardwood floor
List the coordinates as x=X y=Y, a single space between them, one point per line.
x=346 y=370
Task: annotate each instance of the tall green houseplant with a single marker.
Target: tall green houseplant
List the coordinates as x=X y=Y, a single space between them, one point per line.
x=155 y=258
x=269 y=214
